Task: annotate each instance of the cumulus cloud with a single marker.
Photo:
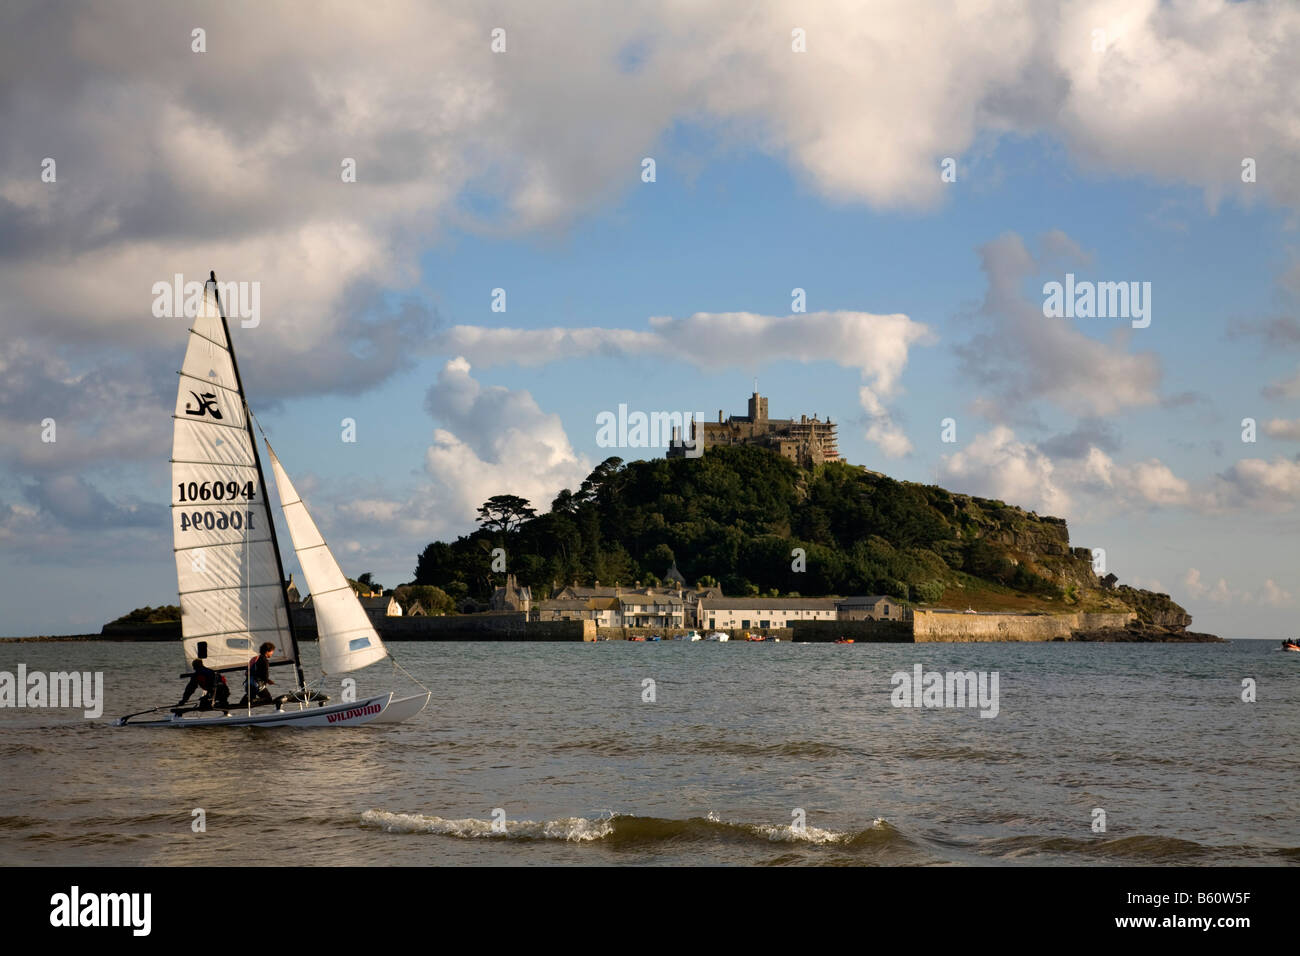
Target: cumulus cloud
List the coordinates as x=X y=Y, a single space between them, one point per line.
x=996 y=464
x=1022 y=356
x=1274 y=595
x=1251 y=482
x=1270 y=592
x=170 y=160
x=876 y=345
x=498 y=441
x=1284 y=428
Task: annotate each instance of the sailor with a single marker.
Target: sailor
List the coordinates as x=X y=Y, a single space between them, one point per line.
x=259 y=675
x=213 y=684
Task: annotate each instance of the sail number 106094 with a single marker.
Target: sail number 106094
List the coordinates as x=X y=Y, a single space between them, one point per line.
x=217 y=521
x=214 y=491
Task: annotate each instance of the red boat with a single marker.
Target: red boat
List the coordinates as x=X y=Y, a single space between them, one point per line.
x=845 y=640
x=1290 y=646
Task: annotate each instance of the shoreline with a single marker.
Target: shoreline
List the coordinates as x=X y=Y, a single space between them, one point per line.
x=1107 y=636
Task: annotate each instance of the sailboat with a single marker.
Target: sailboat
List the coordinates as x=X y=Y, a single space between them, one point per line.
x=230 y=576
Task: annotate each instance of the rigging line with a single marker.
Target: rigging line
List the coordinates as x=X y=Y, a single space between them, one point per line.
x=408 y=673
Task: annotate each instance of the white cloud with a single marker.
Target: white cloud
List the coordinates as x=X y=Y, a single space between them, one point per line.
x=1270 y=592
x=876 y=345
x=1275 y=596
x=996 y=465
x=499 y=442
x=1284 y=428
x=1274 y=485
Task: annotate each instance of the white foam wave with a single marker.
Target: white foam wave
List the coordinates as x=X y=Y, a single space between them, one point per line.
x=572 y=829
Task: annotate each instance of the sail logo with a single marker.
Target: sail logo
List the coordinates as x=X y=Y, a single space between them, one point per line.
x=354 y=712
x=56 y=689
x=207 y=403
x=75 y=909
x=654 y=430
x=949 y=689
x=172 y=300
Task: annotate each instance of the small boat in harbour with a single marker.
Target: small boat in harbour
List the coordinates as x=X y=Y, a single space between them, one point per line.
x=718 y=636
x=1290 y=645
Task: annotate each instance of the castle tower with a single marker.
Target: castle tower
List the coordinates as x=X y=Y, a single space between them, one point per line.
x=757 y=408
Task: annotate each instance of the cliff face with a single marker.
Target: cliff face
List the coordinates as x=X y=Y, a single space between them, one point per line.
x=993 y=536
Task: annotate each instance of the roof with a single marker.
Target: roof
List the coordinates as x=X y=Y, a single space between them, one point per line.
x=773 y=604
x=655 y=600
x=866 y=599
x=562 y=604
x=380 y=602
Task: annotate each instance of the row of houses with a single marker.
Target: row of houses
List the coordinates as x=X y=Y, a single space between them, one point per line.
x=674 y=606
x=677 y=606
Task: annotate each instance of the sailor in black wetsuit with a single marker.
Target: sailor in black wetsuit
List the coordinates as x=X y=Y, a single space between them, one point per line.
x=259 y=675
x=213 y=684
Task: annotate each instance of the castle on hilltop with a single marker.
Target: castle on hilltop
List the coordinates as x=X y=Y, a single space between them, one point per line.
x=806 y=442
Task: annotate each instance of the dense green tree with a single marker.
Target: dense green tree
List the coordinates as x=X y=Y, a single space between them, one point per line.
x=734 y=516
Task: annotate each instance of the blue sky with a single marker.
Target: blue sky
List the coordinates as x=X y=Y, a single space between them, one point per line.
x=774 y=170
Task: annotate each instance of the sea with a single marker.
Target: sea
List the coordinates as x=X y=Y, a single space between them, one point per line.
x=671 y=754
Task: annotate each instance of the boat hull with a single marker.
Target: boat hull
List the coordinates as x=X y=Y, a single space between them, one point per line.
x=380 y=709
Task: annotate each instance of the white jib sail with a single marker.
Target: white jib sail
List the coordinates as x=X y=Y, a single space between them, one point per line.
x=346 y=638
x=226 y=564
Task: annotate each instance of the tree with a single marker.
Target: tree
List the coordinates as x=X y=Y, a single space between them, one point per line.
x=505 y=513
x=434 y=600
x=367 y=580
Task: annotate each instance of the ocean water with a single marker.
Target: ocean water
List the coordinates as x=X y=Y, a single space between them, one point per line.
x=764 y=754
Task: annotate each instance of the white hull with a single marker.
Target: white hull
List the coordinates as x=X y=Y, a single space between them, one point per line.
x=381 y=709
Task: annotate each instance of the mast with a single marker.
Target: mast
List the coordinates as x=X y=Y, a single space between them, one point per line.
x=266 y=499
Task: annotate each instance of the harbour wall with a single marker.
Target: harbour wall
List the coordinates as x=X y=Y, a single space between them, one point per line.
x=938 y=626
x=955 y=626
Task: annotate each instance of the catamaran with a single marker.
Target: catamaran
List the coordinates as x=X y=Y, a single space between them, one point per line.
x=233 y=593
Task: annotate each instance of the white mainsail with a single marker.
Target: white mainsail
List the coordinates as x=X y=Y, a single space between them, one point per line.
x=346 y=637
x=227 y=566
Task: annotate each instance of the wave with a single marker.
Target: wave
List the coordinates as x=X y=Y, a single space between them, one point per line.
x=627 y=830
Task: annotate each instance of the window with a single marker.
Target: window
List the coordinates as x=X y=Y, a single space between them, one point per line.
x=764 y=623
x=745 y=623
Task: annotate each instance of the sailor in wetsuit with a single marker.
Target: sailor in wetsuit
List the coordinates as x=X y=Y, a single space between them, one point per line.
x=259 y=675
x=213 y=684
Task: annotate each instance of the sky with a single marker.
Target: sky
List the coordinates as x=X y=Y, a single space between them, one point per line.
x=474 y=228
